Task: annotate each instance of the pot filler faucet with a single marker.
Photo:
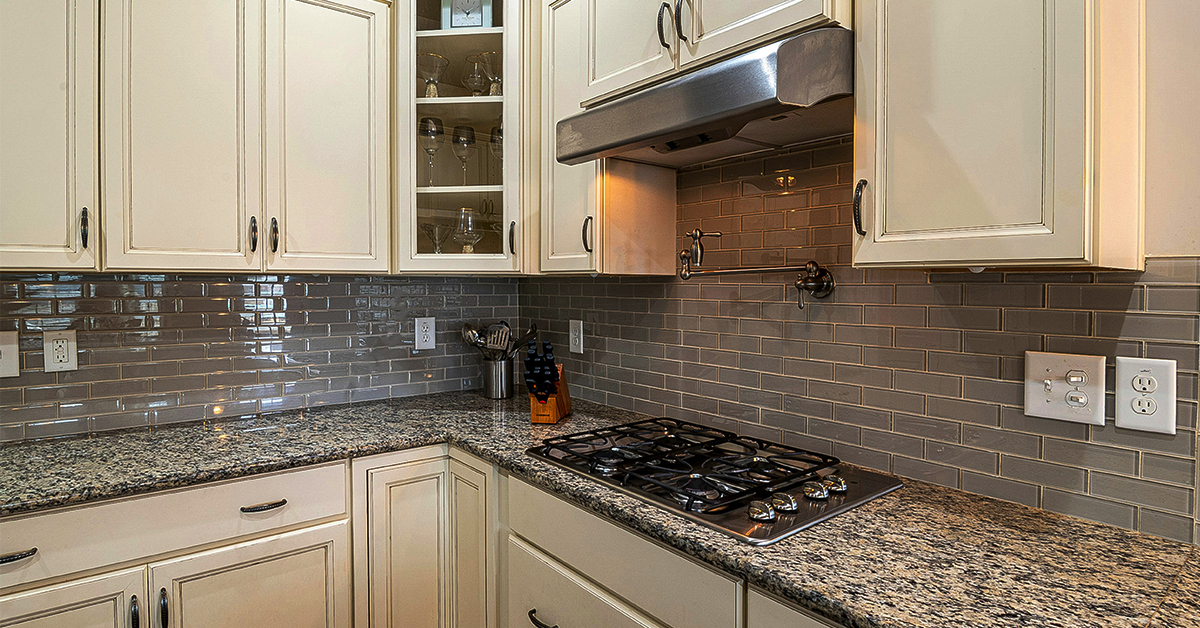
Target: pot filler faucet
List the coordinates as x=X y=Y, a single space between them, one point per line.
x=815 y=280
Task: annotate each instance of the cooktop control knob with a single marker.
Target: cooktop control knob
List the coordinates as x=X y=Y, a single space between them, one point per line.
x=815 y=490
x=834 y=483
x=761 y=511
x=784 y=502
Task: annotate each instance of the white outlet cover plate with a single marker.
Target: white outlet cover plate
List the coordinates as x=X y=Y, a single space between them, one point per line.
x=425 y=340
x=71 y=354
x=1163 y=394
x=576 y=336
x=10 y=354
x=1041 y=368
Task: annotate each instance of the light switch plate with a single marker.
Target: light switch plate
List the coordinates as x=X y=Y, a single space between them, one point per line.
x=1065 y=387
x=59 y=352
x=426 y=330
x=1146 y=394
x=10 y=354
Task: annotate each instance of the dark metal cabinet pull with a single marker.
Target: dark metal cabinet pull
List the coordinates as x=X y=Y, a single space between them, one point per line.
x=15 y=556
x=662 y=38
x=83 y=227
x=858 y=192
x=274 y=235
x=265 y=507
x=586 y=223
x=253 y=234
x=135 y=613
x=164 y=609
x=533 y=618
x=512 y=237
x=679 y=20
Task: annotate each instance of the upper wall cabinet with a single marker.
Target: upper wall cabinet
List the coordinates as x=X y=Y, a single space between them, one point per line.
x=48 y=128
x=327 y=135
x=634 y=42
x=609 y=216
x=999 y=134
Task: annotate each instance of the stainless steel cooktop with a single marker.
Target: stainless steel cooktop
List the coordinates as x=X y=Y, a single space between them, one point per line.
x=751 y=489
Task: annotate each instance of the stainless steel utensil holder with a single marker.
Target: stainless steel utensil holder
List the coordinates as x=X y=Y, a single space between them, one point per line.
x=498 y=378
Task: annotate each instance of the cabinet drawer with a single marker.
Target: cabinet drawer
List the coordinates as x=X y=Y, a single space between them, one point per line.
x=640 y=571
x=90 y=537
x=559 y=596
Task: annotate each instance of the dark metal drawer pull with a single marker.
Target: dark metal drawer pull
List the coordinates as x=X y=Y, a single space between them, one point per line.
x=586 y=222
x=533 y=618
x=265 y=506
x=14 y=557
x=83 y=227
x=858 y=192
x=679 y=20
x=662 y=38
x=253 y=234
x=134 y=613
x=164 y=609
x=512 y=237
x=274 y=235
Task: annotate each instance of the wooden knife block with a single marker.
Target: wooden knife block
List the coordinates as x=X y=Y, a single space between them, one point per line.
x=556 y=408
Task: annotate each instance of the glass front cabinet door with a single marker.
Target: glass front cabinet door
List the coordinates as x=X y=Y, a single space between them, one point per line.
x=457 y=187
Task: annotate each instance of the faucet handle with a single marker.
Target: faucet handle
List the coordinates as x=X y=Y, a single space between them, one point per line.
x=696 y=255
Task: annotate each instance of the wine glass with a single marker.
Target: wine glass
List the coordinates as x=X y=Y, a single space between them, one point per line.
x=496 y=143
x=437 y=234
x=474 y=77
x=469 y=231
x=464 y=146
x=430 y=67
x=431 y=134
x=492 y=64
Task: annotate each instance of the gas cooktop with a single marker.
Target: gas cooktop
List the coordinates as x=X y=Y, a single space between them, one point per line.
x=751 y=489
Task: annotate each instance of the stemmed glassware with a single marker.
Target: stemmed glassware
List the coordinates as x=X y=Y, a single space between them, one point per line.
x=431 y=134
x=464 y=146
x=492 y=65
x=475 y=78
x=469 y=231
x=430 y=68
x=437 y=234
x=496 y=145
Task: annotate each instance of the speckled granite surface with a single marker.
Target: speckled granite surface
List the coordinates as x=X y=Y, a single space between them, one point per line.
x=923 y=556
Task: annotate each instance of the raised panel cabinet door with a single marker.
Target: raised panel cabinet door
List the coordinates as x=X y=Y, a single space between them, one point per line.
x=181 y=118
x=716 y=26
x=406 y=545
x=467 y=541
x=327 y=135
x=107 y=601
x=48 y=128
x=298 y=579
x=972 y=132
x=625 y=45
x=568 y=192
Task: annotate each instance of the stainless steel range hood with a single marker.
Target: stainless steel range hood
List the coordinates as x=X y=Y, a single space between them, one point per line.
x=786 y=92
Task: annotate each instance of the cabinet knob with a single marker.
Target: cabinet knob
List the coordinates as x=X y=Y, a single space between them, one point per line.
x=586 y=223
x=858 y=192
x=662 y=38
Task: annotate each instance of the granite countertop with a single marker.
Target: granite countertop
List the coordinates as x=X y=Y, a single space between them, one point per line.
x=922 y=556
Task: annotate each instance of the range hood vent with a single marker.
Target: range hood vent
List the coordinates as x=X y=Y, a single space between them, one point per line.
x=783 y=93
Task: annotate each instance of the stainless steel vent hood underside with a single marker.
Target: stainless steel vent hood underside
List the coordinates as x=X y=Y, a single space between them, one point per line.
x=786 y=92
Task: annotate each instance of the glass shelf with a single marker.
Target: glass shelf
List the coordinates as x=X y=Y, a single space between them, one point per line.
x=458 y=189
x=454 y=32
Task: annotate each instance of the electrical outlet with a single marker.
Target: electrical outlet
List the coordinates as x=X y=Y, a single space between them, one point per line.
x=426 y=334
x=1065 y=387
x=10 y=354
x=1146 y=395
x=576 y=336
x=59 y=351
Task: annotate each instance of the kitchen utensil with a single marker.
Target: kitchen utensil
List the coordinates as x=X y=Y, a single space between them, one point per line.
x=430 y=68
x=498 y=337
x=464 y=146
x=497 y=378
x=471 y=336
x=431 y=134
x=523 y=340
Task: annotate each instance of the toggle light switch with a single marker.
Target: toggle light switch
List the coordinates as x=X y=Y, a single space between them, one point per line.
x=1065 y=387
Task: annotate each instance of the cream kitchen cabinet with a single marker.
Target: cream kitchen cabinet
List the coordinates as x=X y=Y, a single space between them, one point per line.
x=611 y=216
x=764 y=611
x=424 y=548
x=627 y=42
x=112 y=600
x=49 y=95
x=999 y=134
x=713 y=27
x=212 y=107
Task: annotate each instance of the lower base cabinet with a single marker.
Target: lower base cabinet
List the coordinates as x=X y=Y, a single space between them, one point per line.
x=107 y=601
x=763 y=611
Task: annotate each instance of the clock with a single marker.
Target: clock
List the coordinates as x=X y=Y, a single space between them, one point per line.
x=466 y=13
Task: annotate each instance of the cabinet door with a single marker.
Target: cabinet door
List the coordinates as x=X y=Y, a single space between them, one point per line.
x=764 y=612
x=716 y=26
x=181 y=115
x=298 y=579
x=406 y=545
x=106 y=601
x=624 y=45
x=971 y=132
x=327 y=135
x=468 y=544
x=568 y=192
x=541 y=587
x=48 y=111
